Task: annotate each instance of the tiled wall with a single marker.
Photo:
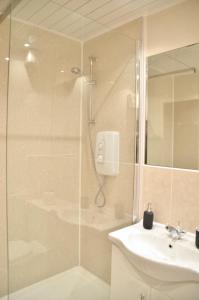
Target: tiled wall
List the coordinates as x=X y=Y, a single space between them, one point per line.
x=173 y=28
x=114 y=102
x=173 y=194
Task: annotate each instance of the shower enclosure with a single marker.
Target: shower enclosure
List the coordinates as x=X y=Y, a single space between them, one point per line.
x=63 y=80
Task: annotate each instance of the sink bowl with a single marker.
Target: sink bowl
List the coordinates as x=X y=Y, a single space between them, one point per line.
x=151 y=252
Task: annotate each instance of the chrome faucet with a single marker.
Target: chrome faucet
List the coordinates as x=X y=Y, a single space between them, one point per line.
x=175 y=233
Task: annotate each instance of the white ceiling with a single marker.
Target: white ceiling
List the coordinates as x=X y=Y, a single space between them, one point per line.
x=83 y=19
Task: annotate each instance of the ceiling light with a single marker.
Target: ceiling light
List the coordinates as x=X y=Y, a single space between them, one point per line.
x=62 y=71
x=7 y=58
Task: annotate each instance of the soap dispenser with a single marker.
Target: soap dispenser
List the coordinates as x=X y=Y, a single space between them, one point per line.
x=148 y=218
x=197 y=238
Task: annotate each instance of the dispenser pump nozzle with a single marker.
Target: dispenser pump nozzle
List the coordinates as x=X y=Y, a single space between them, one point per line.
x=149 y=206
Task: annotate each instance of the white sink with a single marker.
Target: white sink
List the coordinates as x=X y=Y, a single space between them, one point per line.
x=149 y=252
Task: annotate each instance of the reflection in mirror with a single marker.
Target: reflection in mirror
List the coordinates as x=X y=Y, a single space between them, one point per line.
x=173 y=109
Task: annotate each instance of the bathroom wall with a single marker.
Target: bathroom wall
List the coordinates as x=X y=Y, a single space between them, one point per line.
x=173 y=192
x=43 y=155
x=114 y=106
x=4 y=52
x=172 y=28
x=174 y=195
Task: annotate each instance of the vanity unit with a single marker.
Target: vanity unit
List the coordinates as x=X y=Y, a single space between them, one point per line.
x=147 y=265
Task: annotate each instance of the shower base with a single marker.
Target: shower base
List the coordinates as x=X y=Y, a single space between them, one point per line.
x=74 y=284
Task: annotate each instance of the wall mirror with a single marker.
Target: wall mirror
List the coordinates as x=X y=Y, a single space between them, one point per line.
x=172 y=125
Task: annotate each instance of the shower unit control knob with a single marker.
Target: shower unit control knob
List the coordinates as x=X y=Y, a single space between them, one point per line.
x=100 y=159
x=107 y=153
x=100 y=146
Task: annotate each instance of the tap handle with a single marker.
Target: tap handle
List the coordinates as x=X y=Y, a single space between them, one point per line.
x=179 y=228
x=169 y=227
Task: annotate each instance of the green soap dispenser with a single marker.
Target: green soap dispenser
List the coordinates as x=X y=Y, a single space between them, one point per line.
x=148 y=218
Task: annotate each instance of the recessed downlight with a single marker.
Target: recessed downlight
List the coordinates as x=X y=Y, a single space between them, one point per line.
x=7 y=58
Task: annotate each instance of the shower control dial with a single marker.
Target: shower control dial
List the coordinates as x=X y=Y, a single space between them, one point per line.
x=100 y=146
x=100 y=159
x=107 y=153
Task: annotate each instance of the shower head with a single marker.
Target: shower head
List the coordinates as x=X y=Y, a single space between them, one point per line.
x=76 y=70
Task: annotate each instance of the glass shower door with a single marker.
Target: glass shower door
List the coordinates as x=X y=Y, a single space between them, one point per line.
x=43 y=144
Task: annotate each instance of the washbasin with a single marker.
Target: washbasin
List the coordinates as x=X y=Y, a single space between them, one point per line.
x=153 y=253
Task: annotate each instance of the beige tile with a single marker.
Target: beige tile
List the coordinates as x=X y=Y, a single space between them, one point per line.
x=96 y=252
x=157 y=190
x=114 y=104
x=114 y=93
x=166 y=30
x=185 y=202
